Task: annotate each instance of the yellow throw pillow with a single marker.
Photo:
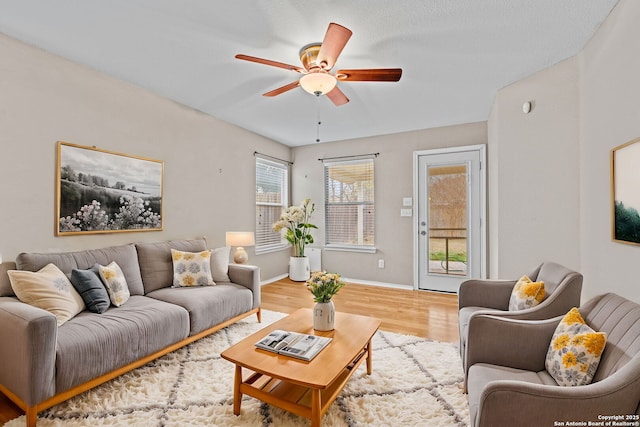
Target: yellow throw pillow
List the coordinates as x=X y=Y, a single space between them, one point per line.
x=526 y=294
x=191 y=268
x=113 y=279
x=575 y=350
x=48 y=289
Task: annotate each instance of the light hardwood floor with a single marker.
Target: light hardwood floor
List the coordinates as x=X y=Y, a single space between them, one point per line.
x=426 y=314
x=430 y=315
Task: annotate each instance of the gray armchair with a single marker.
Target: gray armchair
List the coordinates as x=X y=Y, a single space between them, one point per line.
x=508 y=384
x=562 y=285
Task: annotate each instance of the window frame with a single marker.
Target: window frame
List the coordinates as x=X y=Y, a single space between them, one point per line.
x=348 y=247
x=261 y=246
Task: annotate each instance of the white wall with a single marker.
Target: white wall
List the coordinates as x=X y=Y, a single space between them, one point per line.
x=534 y=173
x=393 y=181
x=609 y=116
x=209 y=164
x=549 y=170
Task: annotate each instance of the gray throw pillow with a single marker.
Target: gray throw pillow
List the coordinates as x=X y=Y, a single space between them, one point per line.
x=91 y=289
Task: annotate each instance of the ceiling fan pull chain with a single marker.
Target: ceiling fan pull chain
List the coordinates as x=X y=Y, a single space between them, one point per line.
x=318 y=121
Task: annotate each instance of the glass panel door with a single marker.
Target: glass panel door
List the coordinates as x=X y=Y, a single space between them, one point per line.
x=450 y=219
x=447 y=198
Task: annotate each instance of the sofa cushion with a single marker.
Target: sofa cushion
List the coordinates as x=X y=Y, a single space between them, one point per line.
x=5 y=283
x=48 y=289
x=480 y=374
x=124 y=255
x=464 y=314
x=115 y=283
x=191 y=268
x=526 y=294
x=156 y=266
x=574 y=352
x=209 y=305
x=90 y=345
x=91 y=289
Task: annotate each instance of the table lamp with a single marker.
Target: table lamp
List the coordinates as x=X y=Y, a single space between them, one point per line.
x=240 y=239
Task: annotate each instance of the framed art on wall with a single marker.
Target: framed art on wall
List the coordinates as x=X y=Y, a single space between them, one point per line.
x=625 y=193
x=100 y=191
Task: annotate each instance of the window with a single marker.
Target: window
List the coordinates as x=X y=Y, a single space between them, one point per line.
x=272 y=188
x=349 y=204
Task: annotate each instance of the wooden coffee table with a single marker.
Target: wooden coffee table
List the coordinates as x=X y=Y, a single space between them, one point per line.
x=305 y=388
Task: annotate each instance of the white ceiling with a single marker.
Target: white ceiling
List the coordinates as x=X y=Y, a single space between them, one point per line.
x=455 y=54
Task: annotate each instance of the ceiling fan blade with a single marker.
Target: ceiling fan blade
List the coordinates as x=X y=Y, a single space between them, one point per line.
x=370 y=75
x=282 y=89
x=337 y=97
x=272 y=63
x=334 y=41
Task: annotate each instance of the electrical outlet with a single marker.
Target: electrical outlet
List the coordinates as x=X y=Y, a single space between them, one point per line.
x=380 y=263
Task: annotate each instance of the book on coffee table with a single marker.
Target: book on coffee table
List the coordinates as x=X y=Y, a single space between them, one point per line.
x=294 y=344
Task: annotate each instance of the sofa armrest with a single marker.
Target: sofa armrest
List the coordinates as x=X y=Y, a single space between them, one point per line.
x=28 y=352
x=249 y=277
x=501 y=341
x=485 y=293
x=519 y=403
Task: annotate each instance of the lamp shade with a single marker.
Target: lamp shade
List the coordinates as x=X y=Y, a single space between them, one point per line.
x=240 y=238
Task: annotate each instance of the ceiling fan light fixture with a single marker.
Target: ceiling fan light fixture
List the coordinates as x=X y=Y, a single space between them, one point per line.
x=318 y=83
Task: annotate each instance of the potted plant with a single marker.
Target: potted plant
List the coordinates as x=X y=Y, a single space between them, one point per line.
x=295 y=221
x=323 y=286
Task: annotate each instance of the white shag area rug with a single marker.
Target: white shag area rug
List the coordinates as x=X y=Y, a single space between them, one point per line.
x=415 y=382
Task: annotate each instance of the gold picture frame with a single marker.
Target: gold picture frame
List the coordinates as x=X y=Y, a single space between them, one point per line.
x=101 y=191
x=625 y=193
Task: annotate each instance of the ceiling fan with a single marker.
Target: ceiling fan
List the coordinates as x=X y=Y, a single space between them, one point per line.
x=318 y=59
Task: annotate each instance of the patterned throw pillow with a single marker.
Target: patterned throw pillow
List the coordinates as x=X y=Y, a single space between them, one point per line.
x=48 y=289
x=191 y=268
x=575 y=350
x=526 y=294
x=115 y=282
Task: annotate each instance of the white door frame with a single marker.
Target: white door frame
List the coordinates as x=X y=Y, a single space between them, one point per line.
x=482 y=148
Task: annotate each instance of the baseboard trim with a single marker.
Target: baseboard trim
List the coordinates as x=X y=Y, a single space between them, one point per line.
x=273 y=279
x=349 y=280
x=381 y=284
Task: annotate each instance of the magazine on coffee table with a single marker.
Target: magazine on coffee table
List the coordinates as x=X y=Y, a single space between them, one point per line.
x=294 y=344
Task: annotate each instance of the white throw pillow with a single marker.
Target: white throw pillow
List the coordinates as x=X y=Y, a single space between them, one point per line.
x=49 y=289
x=115 y=282
x=220 y=264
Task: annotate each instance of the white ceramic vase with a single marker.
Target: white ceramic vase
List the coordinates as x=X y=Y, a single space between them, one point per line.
x=324 y=314
x=299 y=270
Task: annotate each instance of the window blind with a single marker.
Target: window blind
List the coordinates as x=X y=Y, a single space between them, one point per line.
x=349 y=203
x=272 y=178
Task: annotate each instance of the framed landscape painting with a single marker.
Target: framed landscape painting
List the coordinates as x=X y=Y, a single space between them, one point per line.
x=625 y=193
x=100 y=191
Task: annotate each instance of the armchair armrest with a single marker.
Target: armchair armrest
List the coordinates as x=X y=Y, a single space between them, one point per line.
x=28 y=353
x=558 y=303
x=249 y=277
x=524 y=404
x=485 y=293
x=502 y=341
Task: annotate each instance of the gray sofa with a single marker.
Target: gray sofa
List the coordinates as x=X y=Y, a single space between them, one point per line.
x=42 y=364
x=510 y=386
